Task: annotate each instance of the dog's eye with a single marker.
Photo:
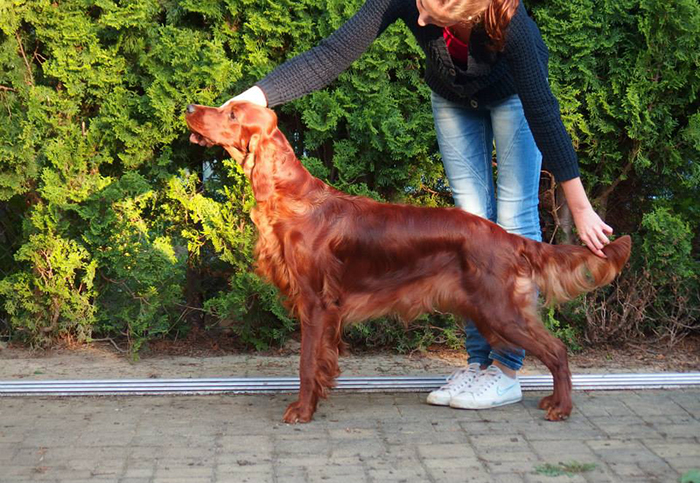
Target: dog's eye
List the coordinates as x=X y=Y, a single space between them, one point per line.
x=232 y=115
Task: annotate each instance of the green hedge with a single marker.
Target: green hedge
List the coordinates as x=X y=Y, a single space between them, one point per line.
x=113 y=224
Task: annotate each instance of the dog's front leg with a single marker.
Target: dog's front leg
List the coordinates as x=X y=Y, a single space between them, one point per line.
x=302 y=410
x=318 y=364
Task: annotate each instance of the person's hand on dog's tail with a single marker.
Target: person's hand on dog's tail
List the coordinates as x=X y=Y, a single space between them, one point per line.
x=592 y=230
x=254 y=95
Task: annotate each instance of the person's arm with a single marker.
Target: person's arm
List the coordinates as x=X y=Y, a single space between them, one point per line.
x=321 y=65
x=541 y=108
x=591 y=228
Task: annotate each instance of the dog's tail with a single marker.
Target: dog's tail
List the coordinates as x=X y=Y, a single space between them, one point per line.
x=564 y=271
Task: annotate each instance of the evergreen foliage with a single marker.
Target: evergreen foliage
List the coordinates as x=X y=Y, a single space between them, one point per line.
x=113 y=224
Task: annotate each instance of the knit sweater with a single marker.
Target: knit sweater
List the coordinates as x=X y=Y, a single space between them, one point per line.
x=520 y=68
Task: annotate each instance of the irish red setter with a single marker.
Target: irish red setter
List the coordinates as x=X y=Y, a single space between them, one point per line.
x=341 y=259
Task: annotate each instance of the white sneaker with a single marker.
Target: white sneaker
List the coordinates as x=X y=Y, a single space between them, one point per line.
x=491 y=389
x=458 y=381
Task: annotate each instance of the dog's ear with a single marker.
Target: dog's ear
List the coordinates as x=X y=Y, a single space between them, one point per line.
x=259 y=168
x=248 y=160
x=261 y=119
x=256 y=119
x=271 y=122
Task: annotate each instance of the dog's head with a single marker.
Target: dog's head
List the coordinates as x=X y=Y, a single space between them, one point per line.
x=236 y=126
x=243 y=129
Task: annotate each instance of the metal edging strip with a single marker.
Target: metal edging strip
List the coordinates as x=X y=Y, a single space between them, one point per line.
x=266 y=385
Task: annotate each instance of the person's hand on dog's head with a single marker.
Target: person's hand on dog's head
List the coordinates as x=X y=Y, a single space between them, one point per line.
x=254 y=95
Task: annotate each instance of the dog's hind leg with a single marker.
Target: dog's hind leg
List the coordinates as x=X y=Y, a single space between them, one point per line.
x=552 y=352
x=514 y=320
x=526 y=330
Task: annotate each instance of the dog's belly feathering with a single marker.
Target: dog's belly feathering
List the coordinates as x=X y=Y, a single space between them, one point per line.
x=424 y=295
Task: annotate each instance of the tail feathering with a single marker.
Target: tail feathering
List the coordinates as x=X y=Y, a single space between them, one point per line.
x=562 y=272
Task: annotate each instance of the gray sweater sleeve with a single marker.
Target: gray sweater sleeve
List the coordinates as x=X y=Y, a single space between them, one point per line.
x=321 y=65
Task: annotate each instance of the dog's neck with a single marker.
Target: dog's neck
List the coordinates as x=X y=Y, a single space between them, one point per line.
x=290 y=177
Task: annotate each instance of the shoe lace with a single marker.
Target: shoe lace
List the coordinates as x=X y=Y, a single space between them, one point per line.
x=460 y=377
x=487 y=379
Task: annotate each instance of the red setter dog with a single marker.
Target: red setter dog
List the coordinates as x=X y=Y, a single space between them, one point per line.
x=341 y=259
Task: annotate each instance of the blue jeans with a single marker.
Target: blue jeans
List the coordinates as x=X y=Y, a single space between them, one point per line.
x=466 y=138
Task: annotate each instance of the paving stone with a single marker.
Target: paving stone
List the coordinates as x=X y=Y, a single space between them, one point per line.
x=521 y=464
x=138 y=473
x=461 y=475
x=627 y=427
x=331 y=472
x=612 y=402
x=443 y=451
x=688 y=400
x=563 y=450
x=467 y=465
x=681 y=447
x=537 y=478
x=507 y=478
x=407 y=474
x=684 y=464
x=177 y=479
x=641 y=403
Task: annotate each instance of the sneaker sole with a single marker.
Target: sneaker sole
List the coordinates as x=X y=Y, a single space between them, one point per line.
x=483 y=406
x=438 y=401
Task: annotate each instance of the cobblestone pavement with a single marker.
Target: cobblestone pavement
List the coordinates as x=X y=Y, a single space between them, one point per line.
x=631 y=436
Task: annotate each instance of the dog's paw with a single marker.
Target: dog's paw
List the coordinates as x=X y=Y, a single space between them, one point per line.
x=296 y=413
x=557 y=414
x=547 y=402
x=555 y=410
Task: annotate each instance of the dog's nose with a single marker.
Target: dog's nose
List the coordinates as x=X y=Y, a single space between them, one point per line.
x=190 y=109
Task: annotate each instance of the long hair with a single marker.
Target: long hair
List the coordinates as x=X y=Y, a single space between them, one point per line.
x=495 y=14
x=496 y=20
